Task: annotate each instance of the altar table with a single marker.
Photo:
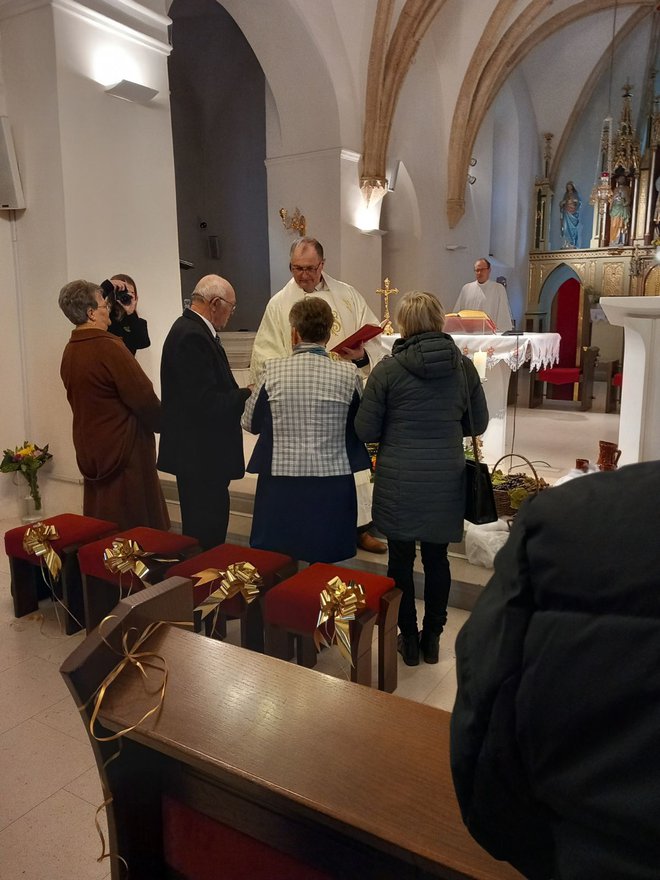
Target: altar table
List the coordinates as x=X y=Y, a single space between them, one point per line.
x=505 y=354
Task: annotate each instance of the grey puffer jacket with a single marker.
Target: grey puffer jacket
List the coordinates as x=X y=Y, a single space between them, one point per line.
x=415 y=406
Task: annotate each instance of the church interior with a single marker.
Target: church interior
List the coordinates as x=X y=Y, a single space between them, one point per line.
x=171 y=139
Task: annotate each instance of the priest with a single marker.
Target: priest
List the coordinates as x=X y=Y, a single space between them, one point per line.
x=350 y=311
x=486 y=296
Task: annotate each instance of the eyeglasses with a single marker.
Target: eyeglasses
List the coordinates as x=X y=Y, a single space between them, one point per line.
x=300 y=269
x=232 y=306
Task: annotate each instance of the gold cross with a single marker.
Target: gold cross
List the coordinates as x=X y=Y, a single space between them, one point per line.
x=385 y=291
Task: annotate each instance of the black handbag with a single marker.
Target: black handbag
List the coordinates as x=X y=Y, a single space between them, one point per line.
x=479 y=499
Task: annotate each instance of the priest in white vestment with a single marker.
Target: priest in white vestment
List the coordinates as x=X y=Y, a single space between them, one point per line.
x=486 y=296
x=350 y=311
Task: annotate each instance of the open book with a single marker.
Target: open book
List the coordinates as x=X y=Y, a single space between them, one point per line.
x=364 y=334
x=469 y=321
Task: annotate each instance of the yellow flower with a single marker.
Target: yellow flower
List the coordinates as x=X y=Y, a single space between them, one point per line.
x=26 y=451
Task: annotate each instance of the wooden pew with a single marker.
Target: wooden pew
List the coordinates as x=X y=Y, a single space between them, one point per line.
x=251 y=757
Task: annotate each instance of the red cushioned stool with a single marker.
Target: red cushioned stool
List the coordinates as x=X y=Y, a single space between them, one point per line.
x=25 y=568
x=103 y=589
x=291 y=611
x=272 y=567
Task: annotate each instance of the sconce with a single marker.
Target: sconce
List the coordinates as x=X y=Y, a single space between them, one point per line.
x=471 y=179
x=297 y=223
x=131 y=91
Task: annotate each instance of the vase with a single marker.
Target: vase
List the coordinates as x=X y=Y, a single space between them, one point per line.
x=31 y=513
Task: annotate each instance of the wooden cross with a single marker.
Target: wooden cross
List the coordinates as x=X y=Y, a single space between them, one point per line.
x=385 y=291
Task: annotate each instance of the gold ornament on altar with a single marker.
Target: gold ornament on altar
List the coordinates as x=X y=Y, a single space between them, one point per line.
x=385 y=291
x=296 y=223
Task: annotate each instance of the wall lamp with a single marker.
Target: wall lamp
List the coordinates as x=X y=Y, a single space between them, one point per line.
x=131 y=91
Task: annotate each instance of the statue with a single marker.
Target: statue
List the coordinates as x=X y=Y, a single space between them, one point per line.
x=569 y=209
x=620 y=212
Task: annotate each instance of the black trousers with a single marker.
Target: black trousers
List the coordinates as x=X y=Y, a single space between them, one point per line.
x=437 y=581
x=204 y=500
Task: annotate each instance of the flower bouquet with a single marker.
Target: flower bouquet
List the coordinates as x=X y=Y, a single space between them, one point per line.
x=27 y=460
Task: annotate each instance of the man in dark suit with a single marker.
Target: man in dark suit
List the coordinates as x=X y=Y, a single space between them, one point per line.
x=201 y=442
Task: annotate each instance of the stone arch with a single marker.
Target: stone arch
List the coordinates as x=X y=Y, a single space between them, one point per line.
x=563 y=272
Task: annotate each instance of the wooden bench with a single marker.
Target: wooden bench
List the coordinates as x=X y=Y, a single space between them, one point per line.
x=251 y=758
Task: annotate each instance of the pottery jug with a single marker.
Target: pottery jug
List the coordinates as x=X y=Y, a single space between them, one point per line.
x=609 y=455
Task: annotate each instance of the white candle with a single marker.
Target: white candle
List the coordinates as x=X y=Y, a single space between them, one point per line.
x=479 y=361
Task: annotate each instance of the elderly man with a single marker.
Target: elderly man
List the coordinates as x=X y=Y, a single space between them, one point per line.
x=201 y=439
x=273 y=340
x=486 y=296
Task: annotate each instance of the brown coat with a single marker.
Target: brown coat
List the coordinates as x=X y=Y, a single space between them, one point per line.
x=115 y=414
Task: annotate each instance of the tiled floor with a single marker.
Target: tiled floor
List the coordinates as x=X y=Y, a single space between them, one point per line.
x=48 y=782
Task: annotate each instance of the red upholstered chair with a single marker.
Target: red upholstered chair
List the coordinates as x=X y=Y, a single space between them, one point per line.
x=102 y=589
x=577 y=360
x=272 y=567
x=614 y=390
x=25 y=568
x=291 y=611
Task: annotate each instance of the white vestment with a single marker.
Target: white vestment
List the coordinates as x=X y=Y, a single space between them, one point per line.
x=490 y=298
x=273 y=340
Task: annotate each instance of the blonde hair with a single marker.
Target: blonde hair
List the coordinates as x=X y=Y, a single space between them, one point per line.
x=420 y=312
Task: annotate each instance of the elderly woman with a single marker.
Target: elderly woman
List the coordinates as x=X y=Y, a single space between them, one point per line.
x=415 y=406
x=303 y=409
x=115 y=414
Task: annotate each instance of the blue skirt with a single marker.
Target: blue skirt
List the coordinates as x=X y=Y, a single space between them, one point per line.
x=308 y=518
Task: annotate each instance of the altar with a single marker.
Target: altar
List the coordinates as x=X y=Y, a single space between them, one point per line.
x=503 y=355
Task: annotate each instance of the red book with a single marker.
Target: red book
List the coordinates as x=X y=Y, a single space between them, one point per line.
x=364 y=334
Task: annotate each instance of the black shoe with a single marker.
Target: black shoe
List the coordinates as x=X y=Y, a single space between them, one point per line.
x=430 y=646
x=408 y=647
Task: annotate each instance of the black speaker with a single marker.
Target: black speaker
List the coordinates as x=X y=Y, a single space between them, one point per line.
x=11 y=191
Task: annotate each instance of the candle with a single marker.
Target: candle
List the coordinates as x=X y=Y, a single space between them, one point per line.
x=479 y=361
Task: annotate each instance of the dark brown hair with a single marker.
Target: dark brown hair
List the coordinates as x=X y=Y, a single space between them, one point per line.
x=313 y=319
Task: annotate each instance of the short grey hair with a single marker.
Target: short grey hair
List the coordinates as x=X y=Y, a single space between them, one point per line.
x=306 y=240
x=76 y=298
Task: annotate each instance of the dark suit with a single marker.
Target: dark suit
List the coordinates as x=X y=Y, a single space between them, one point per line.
x=201 y=442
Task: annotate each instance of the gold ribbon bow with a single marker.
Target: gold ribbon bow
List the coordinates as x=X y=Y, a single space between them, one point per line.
x=124 y=555
x=240 y=577
x=37 y=540
x=340 y=603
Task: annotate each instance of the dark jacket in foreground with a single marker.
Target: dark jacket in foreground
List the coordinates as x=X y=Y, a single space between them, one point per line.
x=556 y=728
x=415 y=406
x=202 y=404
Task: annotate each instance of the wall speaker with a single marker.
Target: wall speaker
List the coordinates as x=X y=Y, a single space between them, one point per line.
x=11 y=191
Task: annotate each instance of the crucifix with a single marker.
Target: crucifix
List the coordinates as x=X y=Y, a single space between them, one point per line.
x=385 y=291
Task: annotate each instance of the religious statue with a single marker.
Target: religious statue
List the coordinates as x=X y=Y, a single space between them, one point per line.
x=569 y=210
x=620 y=212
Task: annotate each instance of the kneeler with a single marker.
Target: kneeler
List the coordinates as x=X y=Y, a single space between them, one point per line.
x=103 y=589
x=27 y=582
x=291 y=613
x=272 y=567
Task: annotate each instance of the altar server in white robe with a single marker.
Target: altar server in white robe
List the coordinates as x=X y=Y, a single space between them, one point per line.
x=350 y=311
x=486 y=296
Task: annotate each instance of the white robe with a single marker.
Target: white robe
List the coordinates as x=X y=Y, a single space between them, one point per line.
x=490 y=298
x=273 y=340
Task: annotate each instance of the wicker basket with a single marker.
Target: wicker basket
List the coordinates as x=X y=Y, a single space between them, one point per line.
x=502 y=500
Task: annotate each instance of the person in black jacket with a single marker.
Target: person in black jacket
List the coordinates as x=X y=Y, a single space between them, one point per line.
x=121 y=291
x=555 y=733
x=201 y=441
x=415 y=407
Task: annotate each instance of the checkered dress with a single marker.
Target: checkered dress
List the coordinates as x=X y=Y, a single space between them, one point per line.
x=308 y=396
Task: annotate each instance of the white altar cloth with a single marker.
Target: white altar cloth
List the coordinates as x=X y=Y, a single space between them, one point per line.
x=505 y=354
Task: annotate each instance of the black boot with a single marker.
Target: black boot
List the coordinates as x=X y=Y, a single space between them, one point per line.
x=430 y=646
x=408 y=647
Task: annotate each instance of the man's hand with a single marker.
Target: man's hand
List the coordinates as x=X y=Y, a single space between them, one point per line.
x=352 y=354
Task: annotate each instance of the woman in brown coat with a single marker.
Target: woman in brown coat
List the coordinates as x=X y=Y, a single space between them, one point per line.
x=115 y=414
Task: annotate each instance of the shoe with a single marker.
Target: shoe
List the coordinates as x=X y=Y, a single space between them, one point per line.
x=370 y=544
x=408 y=647
x=430 y=646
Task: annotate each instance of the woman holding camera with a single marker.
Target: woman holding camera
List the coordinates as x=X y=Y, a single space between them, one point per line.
x=121 y=293
x=115 y=414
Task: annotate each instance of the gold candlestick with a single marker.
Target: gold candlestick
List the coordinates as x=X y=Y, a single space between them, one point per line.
x=385 y=291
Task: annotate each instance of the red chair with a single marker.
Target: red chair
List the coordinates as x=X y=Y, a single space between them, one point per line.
x=272 y=567
x=291 y=612
x=573 y=377
x=27 y=583
x=103 y=589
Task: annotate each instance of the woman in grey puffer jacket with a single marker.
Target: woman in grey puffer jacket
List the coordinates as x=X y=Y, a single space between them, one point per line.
x=415 y=407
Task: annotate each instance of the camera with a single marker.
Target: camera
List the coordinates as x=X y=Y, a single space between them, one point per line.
x=123 y=297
